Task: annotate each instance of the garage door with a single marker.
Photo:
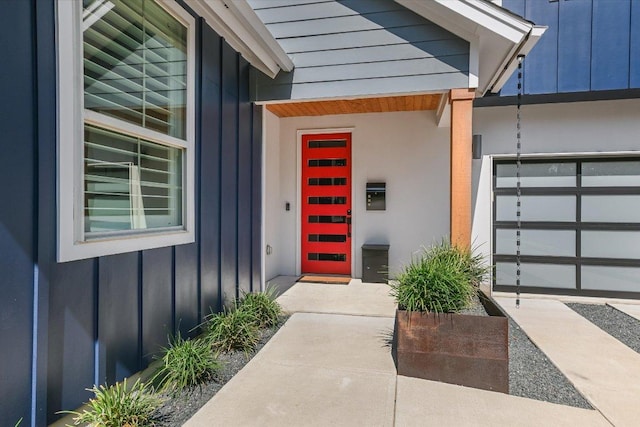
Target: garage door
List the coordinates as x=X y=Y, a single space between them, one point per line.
x=580 y=226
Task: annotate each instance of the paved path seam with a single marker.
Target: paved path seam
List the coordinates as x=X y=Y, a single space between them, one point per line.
x=340 y=313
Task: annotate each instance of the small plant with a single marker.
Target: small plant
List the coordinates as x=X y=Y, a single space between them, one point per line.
x=263 y=306
x=119 y=406
x=442 y=280
x=186 y=363
x=232 y=329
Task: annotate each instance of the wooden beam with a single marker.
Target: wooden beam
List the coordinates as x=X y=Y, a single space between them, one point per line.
x=443 y=112
x=460 y=165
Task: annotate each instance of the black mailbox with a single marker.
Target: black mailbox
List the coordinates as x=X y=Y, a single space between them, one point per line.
x=376 y=200
x=375 y=263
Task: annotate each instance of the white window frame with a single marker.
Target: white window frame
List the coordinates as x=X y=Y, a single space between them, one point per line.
x=72 y=244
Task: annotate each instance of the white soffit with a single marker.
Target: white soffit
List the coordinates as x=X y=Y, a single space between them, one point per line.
x=239 y=25
x=498 y=36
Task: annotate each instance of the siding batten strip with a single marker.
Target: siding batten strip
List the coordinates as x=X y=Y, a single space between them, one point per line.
x=173 y=290
x=198 y=162
x=140 y=312
x=34 y=218
x=96 y=327
x=237 y=176
x=34 y=338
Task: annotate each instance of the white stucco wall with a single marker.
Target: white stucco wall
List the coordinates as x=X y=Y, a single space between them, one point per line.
x=405 y=150
x=272 y=194
x=552 y=129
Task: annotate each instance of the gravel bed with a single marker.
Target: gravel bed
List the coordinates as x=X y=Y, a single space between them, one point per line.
x=475 y=308
x=532 y=375
x=623 y=327
x=178 y=409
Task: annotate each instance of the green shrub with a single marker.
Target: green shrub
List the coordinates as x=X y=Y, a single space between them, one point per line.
x=186 y=363
x=118 y=406
x=263 y=306
x=442 y=280
x=232 y=329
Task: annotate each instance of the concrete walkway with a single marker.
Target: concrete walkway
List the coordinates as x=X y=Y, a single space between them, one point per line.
x=601 y=368
x=356 y=299
x=326 y=369
x=319 y=370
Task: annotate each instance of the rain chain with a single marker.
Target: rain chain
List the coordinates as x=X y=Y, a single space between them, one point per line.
x=518 y=149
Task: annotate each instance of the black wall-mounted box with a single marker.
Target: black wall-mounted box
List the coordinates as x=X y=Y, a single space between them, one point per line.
x=375 y=263
x=376 y=196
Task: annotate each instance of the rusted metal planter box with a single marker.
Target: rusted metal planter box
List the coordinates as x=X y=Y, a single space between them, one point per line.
x=454 y=348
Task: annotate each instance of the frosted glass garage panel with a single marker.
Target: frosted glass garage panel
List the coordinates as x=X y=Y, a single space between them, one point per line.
x=537 y=275
x=611 y=174
x=625 y=279
x=537 y=242
x=611 y=244
x=537 y=208
x=610 y=208
x=537 y=175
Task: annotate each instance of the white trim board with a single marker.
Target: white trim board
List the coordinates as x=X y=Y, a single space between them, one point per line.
x=71 y=244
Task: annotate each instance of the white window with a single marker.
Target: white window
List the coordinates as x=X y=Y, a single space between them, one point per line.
x=126 y=127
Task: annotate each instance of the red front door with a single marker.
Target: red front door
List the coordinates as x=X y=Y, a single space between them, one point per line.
x=326 y=203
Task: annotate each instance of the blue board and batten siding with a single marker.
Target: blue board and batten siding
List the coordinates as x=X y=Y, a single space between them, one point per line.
x=66 y=326
x=18 y=213
x=358 y=47
x=591 y=45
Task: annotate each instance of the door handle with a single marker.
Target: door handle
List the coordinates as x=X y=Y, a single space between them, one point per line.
x=349 y=223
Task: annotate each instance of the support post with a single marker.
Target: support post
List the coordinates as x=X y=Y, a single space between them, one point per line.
x=460 y=166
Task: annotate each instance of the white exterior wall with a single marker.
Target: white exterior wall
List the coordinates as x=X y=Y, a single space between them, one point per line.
x=271 y=194
x=406 y=150
x=611 y=127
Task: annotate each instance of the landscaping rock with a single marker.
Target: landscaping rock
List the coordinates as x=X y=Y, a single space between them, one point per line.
x=532 y=375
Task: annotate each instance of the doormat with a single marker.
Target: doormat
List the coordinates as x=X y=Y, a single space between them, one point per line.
x=331 y=280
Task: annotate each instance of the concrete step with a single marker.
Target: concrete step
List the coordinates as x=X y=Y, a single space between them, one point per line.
x=355 y=299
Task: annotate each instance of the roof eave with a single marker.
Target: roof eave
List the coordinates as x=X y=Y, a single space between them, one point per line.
x=511 y=63
x=483 y=23
x=238 y=24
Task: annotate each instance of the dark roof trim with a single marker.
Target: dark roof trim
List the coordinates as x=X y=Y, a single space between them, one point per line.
x=554 y=98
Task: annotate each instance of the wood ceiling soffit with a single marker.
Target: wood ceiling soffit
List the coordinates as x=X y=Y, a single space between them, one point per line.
x=355 y=106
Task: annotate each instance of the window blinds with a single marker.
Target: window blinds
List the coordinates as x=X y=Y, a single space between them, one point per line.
x=130 y=183
x=135 y=64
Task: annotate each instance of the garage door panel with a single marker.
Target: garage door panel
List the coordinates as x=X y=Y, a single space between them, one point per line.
x=619 y=279
x=537 y=242
x=537 y=275
x=580 y=225
x=537 y=175
x=611 y=244
x=553 y=208
x=611 y=208
x=611 y=174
